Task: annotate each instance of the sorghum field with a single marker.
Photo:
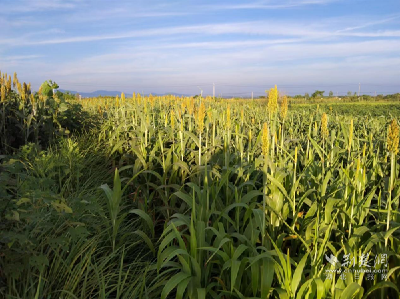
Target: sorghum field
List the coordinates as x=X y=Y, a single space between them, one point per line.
x=167 y=197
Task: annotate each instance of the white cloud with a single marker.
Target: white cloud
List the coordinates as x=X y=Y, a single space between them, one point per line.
x=28 y=6
x=242 y=28
x=319 y=30
x=19 y=57
x=268 y=4
x=134 y=46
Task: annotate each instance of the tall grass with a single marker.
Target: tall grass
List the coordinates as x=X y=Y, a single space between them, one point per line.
x=210 y=199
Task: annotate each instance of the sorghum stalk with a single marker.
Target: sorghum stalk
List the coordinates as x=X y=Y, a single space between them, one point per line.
x=324 y=134
x=201 y=113
x=393 y=147
x=283 y=114
x=265 y=151
x=294 y=180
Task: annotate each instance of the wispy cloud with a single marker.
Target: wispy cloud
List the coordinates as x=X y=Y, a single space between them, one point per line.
x=19 y=57
x=268 y=4
x=243 y=28
x=16 y=22
x=369 y=24
x=37 y=5
x=258 y=28
x=165 y=43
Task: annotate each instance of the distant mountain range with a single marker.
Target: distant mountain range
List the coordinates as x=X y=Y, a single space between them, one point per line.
x=114 y=93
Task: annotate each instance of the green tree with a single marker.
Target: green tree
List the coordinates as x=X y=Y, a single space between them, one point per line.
x=318 y=94
x=349 y=93
x=47 y=88
x=331 y=93
x=307 y=95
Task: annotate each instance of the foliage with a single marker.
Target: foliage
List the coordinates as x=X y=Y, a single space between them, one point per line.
x=47 y=87
x=318 y=94
x=37 y=117
x=218 y=199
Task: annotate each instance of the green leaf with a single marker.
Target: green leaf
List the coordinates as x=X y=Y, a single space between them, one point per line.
x=201 y=293
x=145 y=217
x=146 y=239
x=22 y=201
x=60 y=206
x=182 y=287
x=195 y=139
x=350 y=290
x=250 y=195
x=298 y=273
x=381 y=285
x=234 y=272
x=173 y=282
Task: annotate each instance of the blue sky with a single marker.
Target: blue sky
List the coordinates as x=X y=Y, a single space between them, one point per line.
x=176 y=46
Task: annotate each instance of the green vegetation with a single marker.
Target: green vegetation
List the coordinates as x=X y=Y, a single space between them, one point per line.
x=364 y=109
x=168 y=197
x=318 y=94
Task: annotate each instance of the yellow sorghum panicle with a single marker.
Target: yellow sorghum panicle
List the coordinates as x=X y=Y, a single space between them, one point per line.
x=15 y=79
x=273 y=100
x=201 y=113
x=122 y=96
x=3 y=93
x=151 y=100
x=190 y=106
x=41 y=98
x=179 y=112
x=117 y=100
x=324 y=126
x=19 y=88
x=24 y=89
x=284 y=108
x=209 y=114
x=393 y=137
x=9 y=84
x=183 y=107
x=265 y=140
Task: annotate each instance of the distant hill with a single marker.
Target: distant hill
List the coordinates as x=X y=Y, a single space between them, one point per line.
x=115 y=93
x=94 y=93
